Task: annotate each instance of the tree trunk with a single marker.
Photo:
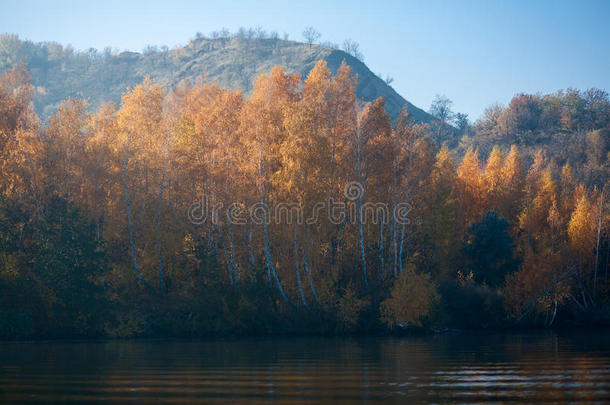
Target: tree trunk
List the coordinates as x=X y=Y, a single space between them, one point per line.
x=69 y=169
x=570 y=272
x=607 y=257
x=306 y=264
x=250 y=245
x=393 y=214
x=599 y=229
x=296 y=265
x=234 y=269
x=159 y=212
x=159 y=254
x=403 y=231
x=269 y=262
x=360 y=225
x=381 y=249
x=554 y=314
x=132 y=246
x=227 y=262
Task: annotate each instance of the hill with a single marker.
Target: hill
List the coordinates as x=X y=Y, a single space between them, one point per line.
x=234 y=61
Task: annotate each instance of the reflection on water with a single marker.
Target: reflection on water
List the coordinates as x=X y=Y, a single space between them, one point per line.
x=465 y=367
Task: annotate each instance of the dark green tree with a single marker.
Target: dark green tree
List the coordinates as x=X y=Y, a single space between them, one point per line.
x=488 y=249
x=65 y=259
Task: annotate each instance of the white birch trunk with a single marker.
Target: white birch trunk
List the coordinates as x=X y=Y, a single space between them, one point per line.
x=132 y=246
x=297 y=267
x=360 y=225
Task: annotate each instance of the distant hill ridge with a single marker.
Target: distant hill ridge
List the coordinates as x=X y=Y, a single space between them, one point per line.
x=60 y=72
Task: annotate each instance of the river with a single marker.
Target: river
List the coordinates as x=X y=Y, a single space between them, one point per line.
x=467 y=367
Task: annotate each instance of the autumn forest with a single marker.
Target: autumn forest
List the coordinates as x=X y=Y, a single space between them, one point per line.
x=501 y=223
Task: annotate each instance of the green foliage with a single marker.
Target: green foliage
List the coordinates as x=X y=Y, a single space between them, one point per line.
x=16 y=324
x=125 y=325
x=471 y=305
x=48 y=274
x=489 y=250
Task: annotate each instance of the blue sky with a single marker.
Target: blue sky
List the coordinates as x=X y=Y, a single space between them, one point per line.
x=475 y=52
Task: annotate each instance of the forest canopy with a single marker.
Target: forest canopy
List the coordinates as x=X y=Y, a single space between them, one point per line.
x=106 y=226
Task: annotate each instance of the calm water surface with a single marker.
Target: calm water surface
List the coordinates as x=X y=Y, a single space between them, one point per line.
x=464 y=368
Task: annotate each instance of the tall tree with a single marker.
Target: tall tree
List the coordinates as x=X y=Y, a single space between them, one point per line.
x=441 y=110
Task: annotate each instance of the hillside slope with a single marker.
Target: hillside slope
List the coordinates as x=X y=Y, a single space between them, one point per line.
x=235 y=62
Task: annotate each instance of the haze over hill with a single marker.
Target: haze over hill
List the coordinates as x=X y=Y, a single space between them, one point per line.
x=235 y=61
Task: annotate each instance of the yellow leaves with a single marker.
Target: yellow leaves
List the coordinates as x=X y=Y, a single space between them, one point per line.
x=493 y=172
x=512 y=171
x=554 y=217
x=559 y=229
x=159 y=153
x=20 y=145
x=140 y=126
x=207 y=132
x=471 y=186
x=444 y=163
x=276 y=88
x=414 y=296
x=537 y=274
x=581 y=229
x=496 y=186
x=142 y=104
x=512 y=179
x=469 y=169
x=548 y=186
x=16 y=92
x=67 y=137
x=377 y=143
x=21 y=172
x=212 y=110
x=70 y=118
x=342 y=89
x=317 y=84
